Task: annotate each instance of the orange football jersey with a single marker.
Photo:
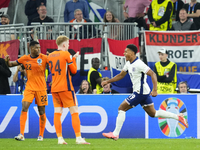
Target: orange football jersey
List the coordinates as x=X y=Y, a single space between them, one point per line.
x=61 y=65
x=35 y=69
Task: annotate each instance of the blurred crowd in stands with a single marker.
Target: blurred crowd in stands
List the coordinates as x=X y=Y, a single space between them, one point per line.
x=158 y=15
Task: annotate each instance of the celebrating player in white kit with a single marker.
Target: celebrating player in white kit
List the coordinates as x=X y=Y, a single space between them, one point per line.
x=138 y=72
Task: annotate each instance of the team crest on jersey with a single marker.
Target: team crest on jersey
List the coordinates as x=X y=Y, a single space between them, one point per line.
x=39 y=61
x=133 y=69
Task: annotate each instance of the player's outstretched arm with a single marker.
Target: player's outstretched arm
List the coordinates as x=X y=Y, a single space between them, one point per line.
x=10 y=63
x=118 y=77
x=154 y=81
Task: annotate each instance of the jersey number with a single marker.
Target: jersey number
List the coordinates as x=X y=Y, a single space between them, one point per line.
x=43 y=99
x=28 y=66
x=57 y=67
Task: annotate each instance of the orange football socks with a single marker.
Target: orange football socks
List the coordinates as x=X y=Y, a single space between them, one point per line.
x=23 y=118
x=42 y=123
x=57 y=124
x=76 y=124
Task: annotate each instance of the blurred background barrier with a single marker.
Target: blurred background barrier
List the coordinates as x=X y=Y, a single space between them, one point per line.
x=98 y=114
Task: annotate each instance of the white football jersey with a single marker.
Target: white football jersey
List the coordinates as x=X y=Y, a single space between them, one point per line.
x=137 y=71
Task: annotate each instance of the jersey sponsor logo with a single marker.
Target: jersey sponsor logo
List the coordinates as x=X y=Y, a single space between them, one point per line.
x=50 y=127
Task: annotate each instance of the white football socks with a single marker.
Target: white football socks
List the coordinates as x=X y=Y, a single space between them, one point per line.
x=165 y=114
x=119 y=122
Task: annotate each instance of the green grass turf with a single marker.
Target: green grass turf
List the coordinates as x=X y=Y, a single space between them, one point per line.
x=103 y=144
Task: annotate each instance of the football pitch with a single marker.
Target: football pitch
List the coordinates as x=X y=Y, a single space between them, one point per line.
x=103 y=144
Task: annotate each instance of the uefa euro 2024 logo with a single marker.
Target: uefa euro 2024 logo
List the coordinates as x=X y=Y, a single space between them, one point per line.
x=171 y=127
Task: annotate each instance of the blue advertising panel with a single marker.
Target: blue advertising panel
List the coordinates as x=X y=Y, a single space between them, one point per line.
x=171 y=128
x=97 y=115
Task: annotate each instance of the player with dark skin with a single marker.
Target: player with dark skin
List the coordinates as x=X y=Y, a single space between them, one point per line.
x=35 y=50
x=35 y=65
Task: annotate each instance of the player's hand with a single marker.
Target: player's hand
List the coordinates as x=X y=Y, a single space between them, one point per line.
x=104 y=83
x=7 y=58
x=154 y=93
x=76 y=55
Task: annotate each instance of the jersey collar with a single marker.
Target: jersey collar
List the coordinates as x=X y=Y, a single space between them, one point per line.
x=135 y=60
x=34 y=57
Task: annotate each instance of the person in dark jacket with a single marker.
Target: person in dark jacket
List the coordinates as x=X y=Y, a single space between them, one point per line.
x=5 y=73
x=88 y=31
x=184 y=23
x=31 y=9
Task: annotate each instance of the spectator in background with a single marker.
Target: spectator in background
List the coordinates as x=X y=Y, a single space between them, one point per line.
x=166 y=72
x=7 y=34
x=20 y=79
x=31 y=9
x=5 y=19
x=85 y=88
x=107 y=88
x=184 y=23
x=49 y=83
x=136 y=11
x=160 y=15
x=193 y=10
x=109 y=17
x=178 y=5
x=72 y=5
x=113 y=30
x=88 y=31
x=42 y=11
x=5 y=73
x=48 y=75
x=183 y=87
x=94 y=77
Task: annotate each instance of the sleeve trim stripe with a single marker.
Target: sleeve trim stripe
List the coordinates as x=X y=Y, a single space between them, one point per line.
x=18 y=62
x=147 y=70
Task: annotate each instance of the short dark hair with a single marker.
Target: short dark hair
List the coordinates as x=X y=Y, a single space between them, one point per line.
x=95 y=59
x=33 y=43
x=40 y=6
x=132 y=47
x=183 y=9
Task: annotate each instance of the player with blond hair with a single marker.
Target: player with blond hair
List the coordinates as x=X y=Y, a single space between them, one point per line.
x=61 y=65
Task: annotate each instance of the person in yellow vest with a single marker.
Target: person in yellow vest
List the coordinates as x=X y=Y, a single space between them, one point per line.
x=94 y=77
x=160 y=15
x=166 y=72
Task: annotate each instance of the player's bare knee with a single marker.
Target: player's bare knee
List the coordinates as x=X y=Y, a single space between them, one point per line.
x=120 y=108
x=41 y=110
x=58 y=110
x=24 y=108
x=73 y=109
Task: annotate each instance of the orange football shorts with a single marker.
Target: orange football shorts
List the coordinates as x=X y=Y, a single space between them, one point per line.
x=40 y=97
x=64 y=99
